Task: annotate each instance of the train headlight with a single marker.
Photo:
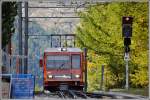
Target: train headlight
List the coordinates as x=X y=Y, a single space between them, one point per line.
x=77 y=76
x=50 y=76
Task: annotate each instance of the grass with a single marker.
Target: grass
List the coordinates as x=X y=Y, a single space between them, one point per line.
x=136 y=91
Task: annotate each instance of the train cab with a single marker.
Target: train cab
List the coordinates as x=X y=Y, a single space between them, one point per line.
x=63 y=67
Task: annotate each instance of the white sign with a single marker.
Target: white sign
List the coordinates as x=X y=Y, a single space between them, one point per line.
x=126 y=56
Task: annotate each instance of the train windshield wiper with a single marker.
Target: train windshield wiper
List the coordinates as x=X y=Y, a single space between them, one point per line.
x=61 y=66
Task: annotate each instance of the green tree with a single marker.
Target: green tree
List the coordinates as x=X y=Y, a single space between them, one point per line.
x=9 y=11
x=101 y=32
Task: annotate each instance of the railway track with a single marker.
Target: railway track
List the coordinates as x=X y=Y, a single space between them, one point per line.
x=72 y=94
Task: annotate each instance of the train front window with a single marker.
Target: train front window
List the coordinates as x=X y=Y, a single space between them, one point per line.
x=58 y=62
x=75 y=61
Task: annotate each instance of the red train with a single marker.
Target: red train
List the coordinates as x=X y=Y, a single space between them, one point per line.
x=63 y=68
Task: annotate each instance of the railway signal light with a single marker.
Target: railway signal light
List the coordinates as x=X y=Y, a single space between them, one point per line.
x=127 y=34
x=127 y=27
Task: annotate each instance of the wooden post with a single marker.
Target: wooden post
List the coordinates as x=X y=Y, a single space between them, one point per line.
x=102 y=78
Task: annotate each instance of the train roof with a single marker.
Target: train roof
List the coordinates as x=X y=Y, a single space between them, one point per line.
x=63 y=50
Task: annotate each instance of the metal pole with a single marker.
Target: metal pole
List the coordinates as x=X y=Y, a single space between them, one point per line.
x=51 y=41
x=85 y=72
x=149 y=50
x=1 y=49
x=65 y=41
x=36 y=17
x=26 y=39
x=20 y=34
x=74 y=41
x=60 y=41
x=127 y=73
x=42 y=7
x=54 y=35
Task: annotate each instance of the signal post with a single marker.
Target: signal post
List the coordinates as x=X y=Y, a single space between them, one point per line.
x=127 y=34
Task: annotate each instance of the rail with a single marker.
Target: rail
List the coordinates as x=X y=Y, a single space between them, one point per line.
x=74 y=94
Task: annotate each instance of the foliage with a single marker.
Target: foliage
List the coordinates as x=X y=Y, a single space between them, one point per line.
x=9 y=11
x=94 y=69
x=100 y=31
